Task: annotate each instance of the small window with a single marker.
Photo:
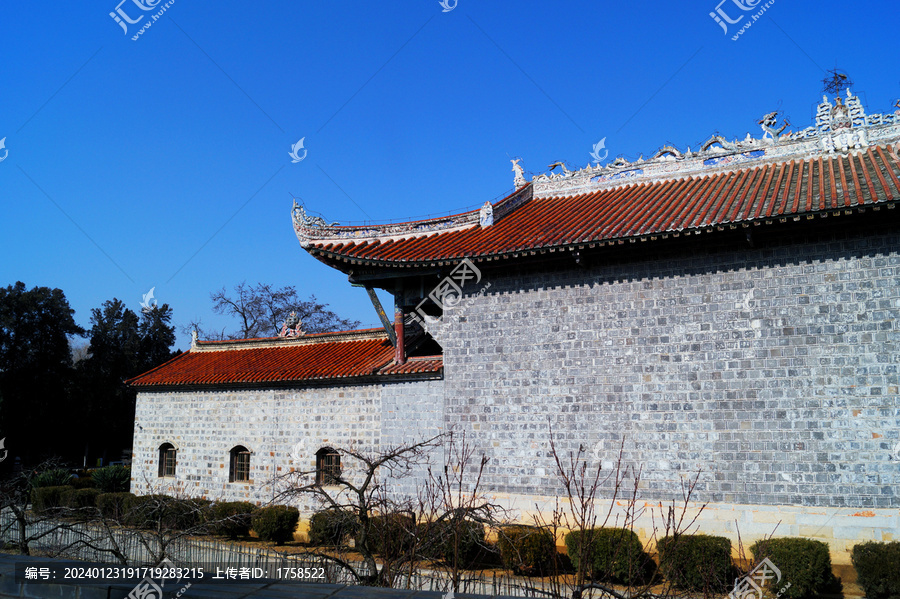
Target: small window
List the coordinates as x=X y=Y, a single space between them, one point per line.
x=167 y=459
x=328 y=466
x=240 y=465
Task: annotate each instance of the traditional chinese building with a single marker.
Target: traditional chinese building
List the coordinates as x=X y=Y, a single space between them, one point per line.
x=730 y=310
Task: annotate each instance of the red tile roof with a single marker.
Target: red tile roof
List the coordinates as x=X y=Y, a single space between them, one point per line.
x=415 y=366
x=751 y=194
x=314 y=359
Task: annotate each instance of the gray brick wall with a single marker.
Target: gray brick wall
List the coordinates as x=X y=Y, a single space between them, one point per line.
x=773 y=370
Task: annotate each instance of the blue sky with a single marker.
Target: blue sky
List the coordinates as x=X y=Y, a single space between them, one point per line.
x=163 y=161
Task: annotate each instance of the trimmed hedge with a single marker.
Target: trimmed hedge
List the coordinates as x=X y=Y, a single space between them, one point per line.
x=144 y=511
x=165 y=512
x=82 y=500
x=442 y=538
x=112 y=505
x=232 y=518
x=112 y=479
x=392 y=535
x=878 y=569
x=276 y=523
x=186 y=514
x=697 y=562
x=527 y=550
x=332 y=527
x=805 y=563
x=46 y=500
x=613 y=554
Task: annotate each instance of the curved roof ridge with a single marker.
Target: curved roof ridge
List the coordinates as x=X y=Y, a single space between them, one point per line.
x=309 y=339
x=314 y=229
x=845 y=162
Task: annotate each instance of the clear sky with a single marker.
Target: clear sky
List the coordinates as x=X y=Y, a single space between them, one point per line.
x=163 y=161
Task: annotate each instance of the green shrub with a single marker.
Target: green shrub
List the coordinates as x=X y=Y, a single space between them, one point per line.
x=878 y=569
x=146 y=511
x=276 y=523
x=142 y=511
x=697 y=562
x=47 y=500
x=804 y=563
x=83 y=500
x=332 y=527
x=112 y=505
x=57 y=477
x=112 y=479
x=232 y=518
x=613 y=555
x=165 y=512
x=527 y=550
x=392 y=535
x=185 y=514
x=441 y=539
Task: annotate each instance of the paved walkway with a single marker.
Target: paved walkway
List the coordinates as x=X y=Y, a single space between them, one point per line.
x=9 y=587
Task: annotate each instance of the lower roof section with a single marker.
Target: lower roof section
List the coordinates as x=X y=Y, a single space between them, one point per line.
x=321 y=359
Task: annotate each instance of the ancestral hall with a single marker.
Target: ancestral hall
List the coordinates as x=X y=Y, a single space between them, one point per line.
x=730 y=311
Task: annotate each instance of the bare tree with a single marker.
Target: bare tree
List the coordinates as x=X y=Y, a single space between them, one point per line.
x=361 y=491
x=586 y=488
x=145 y=530
x=54 y=530
x=455 y=512
x=261 y=309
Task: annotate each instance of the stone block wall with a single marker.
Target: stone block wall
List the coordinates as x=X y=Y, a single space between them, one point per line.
x=770 y=370
x=282 y=428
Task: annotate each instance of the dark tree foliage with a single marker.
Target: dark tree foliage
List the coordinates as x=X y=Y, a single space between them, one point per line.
x=260 y=311
x=36 y=371
x=52 y=407
x=123 y=345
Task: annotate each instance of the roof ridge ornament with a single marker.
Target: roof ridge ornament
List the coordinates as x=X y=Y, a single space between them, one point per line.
x=300 y=215
x=292 y=327
x=562 y=164
x=840 y=126
x=519 y=181
x=486 y=215
x=768 y=124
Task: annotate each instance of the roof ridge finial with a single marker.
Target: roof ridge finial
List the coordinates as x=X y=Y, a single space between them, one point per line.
x=292 y=327
x=519 y=171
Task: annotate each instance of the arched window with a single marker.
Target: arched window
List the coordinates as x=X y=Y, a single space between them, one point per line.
x=240 y=465
x=167 y=459
x=328 y=466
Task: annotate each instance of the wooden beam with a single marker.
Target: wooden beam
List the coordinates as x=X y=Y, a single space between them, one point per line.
x=388 y=327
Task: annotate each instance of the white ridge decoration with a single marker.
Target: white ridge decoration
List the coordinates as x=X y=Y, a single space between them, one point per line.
x=840 y=127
